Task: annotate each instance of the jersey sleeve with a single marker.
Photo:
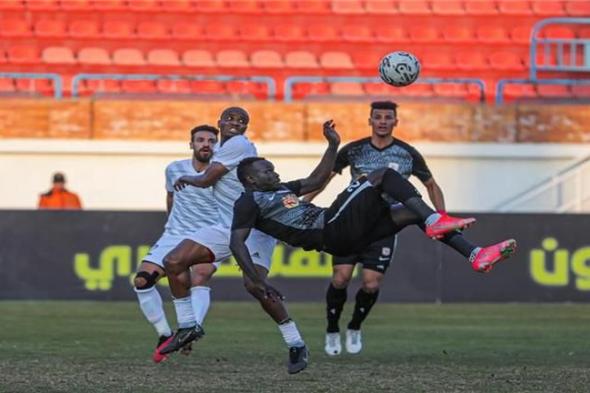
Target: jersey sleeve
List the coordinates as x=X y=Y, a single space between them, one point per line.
x=233 y=151
x=341 y=160
x=169 y=179
x=419 y=167
x=245 y=212
x=294 y=186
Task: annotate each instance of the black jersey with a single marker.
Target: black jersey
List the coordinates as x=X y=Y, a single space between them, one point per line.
x=363 y=157
x=282 y=215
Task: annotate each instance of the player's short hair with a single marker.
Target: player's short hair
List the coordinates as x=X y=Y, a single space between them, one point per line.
x=384 y=105
x=204 y=127
x=236 y=109
x=244 y=168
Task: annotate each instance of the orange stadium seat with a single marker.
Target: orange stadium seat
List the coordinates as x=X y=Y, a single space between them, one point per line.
x=208 y=87
x=50 y=28
x=255 y=32
x=102 y=86
x=553 y=91
x=187 y=31
x=232 y=58
x=521 y=34
x=492 y=34
x=468 y=60
x=21 y=54
x=76 y=5
x=578 y=8
x=43 y=5
x=584 y=32
x=457 y=34
x=84 y=29
x=94 y=56
x=357 y=33
x=581 y=91
x=381 y=7
x=313 y=6
x=424 y=34
x=506 y=61
x=514 y=7
x=220 y=32
x=448 y=8
x=515 y=92
x=169 y=86
x=39 y=86
x=367 y=61
x=303 y=90
x=144 y=5
x=247 y=88
x=322 y=33
x=12 y=5
x=117 y=29
x=347 y=7
x=480 y=8
x=548 y=8
x=109 y=5
x=437 y=60
x=138 y=86
x=15 y=28
x=178 y=5
x=266 y=59
x=336 y=60
x=414 y=7
x=451 y=90
x=211 y=6
x=279 y=6
x=152 y=30
x=557 y=32
x=245 y=6
x=198 y=58
x=301 y=59
x=378 y=89
x=346 y=89
x=128 y=57
x=58 y=55
x=7 y=85
x=289 y=33
x=417 y=90
x=3 y=59
x=391 y=34
x=163 y=57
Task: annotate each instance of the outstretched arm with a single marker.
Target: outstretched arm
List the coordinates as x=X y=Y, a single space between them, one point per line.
x=212 y=174
x=321 y=174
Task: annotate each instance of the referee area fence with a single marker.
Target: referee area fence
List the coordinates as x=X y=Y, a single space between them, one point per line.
x=93 y=255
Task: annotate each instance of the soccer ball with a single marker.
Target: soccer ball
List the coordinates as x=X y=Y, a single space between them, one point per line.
x=399 y=68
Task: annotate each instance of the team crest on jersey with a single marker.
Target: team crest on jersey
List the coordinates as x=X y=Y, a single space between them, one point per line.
x=290 y=201
x=386 y=251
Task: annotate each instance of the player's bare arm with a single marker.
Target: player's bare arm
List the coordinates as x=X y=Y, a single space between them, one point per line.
x=435 y=194
x=321 y=174
x=213 y=173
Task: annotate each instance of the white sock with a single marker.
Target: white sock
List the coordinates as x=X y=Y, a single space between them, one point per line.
x=200 y=300
x=184 y=312
x=150 y=303
x=291 y=334
x=431 y=219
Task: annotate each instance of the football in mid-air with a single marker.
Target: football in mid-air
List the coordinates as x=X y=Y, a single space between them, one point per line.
x=399 y=68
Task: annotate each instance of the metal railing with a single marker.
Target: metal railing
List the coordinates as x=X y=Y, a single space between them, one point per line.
x=562 y=82
x=565 y=49
x=291 y=81
x=270 y=82
x=55 y=78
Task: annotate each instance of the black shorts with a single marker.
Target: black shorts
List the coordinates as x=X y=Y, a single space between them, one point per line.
x=358 y=217
x=377 y=256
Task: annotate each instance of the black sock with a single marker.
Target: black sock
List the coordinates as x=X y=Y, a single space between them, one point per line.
x=364 y=303
x=335 y=299
x=456 y=241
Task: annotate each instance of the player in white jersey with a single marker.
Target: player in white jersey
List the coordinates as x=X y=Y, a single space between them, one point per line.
x=211 y=244
x=187 y=210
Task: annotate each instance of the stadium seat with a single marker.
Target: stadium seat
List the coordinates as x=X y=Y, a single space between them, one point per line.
x=514 y=7
x=23 y=55
x=437 y=60
x=322 y=33
x=221 y=32
x=187 y=31
x=94 y=56
x=15 y=28
x=105 y=86
x=117 y=29
x=289 y=33
x=581 y=91
x=232 y=58
x=379 y=89
x=336 y=60
x=50 y=28
x=76 y=5
x=548 y=8
x=348 y=7
x=416 y=7
x=35 y=86
x=210 y=6
x=84 y=29
x=515 y=92
x=58 y=55
x=3 y=59
x=424 y=34
x=198 y=58
x=553 y=91
x=144 y=5
x=301 y=59
x=521 y=34
x=346 y=89
x=455 y=33
x=357 y=33
x=178 y=5
x=239 y=89
x=168 y=86
x=480 y=8
x=391 y=33
x=279 y=6
x=128 y=57
x=506 y=61
x=381 y=7
x=266 y=59
x=366 y=60
x=450 y=90
x=305 y=90
x=255 y=32
x=12 y=5
x=245 y=6
x=43 y=5
x=313 y=6
x=163 y=57
x=448 y=8
x=473 y=61
x=152 y=30
x=138 y=86
x=492 y=34
x=557 y=32
x=7 y=85
x=109 y=5
x=417 y=90
x=578 y=8
x=208 y=87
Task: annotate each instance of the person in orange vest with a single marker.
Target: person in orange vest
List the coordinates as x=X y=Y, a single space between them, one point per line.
x=59 y=198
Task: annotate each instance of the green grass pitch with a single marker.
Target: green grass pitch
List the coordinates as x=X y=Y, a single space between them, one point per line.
x=106 y=347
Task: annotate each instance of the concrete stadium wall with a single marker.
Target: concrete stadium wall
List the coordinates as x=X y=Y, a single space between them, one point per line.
x=129 y=175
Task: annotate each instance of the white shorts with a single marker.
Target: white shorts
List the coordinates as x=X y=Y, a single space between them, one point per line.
x=216 y=239
x=163 y=246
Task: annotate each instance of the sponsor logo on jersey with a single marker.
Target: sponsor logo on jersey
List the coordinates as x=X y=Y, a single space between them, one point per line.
x=386 y=251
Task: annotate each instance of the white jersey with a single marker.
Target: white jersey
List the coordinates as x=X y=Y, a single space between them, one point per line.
x=193 y=207
x=228 y=189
